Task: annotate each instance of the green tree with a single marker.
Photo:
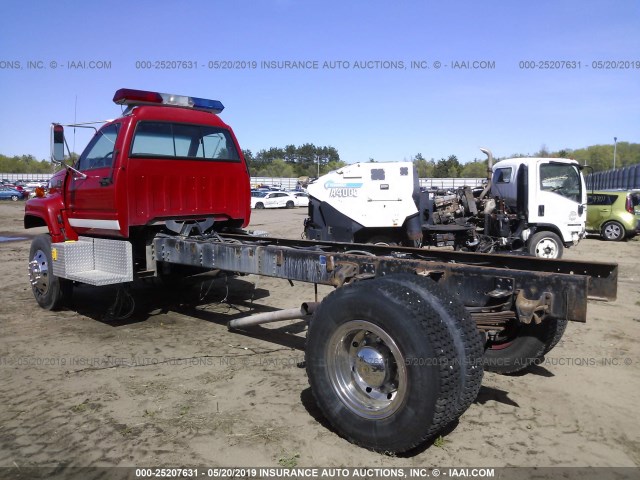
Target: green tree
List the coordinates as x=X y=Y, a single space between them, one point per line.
x=276 y=168
x=423 y=167
x=475 y=169
x=449 y=168
x=332 y=165
x=290 y=154
x=248 y=155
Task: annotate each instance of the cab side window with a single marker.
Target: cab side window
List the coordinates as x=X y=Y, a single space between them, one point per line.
x=99 y=152
x=503 y=175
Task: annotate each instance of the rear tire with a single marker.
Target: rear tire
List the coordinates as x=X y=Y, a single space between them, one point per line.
x=392 y=361
x=50 y=292
x=461 y=327
x=555 y=330
x=613 y=231
x=525 y=346
x=545 y=244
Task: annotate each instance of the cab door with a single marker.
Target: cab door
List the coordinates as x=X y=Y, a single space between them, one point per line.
x=558 y=198
x=92 y=194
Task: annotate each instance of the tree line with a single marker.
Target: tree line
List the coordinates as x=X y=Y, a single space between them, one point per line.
x=24 y=164
x=292 y=161
x=599 y=157
x=308 y=159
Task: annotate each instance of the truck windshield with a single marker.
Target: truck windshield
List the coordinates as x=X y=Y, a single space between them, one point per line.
x=178 y=140
x=561 y=179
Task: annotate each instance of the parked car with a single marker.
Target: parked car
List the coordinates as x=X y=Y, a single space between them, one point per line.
x=8 y=193
x=20 y=188
x=614 y=214
x=302 y=199
x=267 y=199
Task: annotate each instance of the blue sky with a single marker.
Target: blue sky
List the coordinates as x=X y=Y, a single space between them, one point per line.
x=386 y=114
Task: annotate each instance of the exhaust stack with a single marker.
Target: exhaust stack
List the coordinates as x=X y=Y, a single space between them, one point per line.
x=489 y=155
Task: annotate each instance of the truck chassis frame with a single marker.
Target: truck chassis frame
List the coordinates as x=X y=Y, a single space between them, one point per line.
x=538 y=288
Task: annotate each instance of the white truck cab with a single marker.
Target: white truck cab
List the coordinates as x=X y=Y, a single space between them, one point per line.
x=556 y=194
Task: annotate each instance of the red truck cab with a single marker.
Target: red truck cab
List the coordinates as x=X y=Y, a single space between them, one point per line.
x=168 y=157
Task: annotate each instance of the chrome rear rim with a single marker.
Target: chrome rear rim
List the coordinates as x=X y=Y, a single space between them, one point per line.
x=366 y=369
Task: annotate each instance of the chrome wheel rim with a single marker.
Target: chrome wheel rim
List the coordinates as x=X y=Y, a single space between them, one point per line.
x=366 y=369
x=547 y=248
x=39 y=273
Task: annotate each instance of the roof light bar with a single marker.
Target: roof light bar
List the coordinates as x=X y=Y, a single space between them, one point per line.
x=130 y=97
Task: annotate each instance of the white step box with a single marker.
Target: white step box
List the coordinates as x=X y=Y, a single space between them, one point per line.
x=95 y=261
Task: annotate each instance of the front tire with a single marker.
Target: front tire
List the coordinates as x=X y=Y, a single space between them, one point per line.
x=290 y=204
x=14 y=198
x=50 y=292
x=613 y=231
x=259 y=206
x=545 y=245
x=392 y=361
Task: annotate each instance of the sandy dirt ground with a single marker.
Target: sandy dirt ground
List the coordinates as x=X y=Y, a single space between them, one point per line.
x=172 y=386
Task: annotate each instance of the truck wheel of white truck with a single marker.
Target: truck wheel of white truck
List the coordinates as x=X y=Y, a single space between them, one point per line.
x=50 y=292
x=545 y=244
x=392 y=361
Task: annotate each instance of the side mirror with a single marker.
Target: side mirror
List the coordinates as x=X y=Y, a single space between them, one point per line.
x=57 y=143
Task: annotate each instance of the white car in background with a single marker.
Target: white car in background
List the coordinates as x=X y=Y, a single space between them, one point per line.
x=302 y=199
x=267 y=199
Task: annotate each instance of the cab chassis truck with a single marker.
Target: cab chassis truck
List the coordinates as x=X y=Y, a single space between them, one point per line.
x=393 y=355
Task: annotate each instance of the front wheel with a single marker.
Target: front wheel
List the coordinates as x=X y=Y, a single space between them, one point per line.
x=259 y=206
x=545 y=245
x=14 y=198
x=613 y=231
x=50 y=292
x=392 y=361
x=290 y=204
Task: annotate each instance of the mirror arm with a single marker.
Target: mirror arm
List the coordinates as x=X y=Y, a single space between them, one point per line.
x=78 y=172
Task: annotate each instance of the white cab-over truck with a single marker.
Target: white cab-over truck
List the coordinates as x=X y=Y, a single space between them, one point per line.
x=535 y=206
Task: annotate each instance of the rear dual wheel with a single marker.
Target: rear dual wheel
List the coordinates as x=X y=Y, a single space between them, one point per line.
x=522 y=345
x=392 y=361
